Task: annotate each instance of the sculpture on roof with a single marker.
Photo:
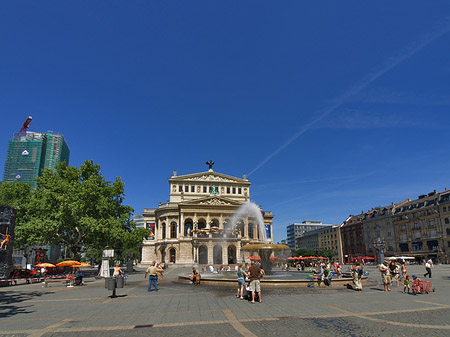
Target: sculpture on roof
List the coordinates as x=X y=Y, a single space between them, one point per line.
x=210 y=164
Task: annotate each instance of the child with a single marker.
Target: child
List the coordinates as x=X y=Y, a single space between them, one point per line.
x=406 y=284
x=416 y=284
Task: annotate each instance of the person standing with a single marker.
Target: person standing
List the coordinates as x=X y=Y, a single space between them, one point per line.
x=404 y=270
x=394 y=270
x=152 y=271
x=241 y=281
x=385 y=275
x=357 y=274
x=428 y=266
x=255 y=285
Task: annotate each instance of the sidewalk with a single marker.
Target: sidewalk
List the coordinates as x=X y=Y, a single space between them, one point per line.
x=183 y=309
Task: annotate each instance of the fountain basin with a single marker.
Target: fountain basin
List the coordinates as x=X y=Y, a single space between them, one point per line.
x=280 y=279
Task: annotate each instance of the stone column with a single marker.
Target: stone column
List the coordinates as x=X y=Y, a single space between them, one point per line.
x=181 y=226
x=224 y=254
x=210 y=247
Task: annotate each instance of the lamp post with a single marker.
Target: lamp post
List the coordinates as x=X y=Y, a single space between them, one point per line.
x=379 y=246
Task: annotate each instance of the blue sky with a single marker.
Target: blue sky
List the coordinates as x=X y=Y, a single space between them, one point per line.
x=331 y=108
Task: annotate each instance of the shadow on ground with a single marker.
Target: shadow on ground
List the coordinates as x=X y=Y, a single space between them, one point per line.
x=10 y=299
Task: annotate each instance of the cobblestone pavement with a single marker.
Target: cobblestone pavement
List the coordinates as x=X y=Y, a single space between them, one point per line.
x=179 y=309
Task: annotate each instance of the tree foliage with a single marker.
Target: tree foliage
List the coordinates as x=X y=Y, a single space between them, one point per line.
x=18 y=195
x=77 y=207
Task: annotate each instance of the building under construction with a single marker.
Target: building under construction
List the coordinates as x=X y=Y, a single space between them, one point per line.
x=31 y=152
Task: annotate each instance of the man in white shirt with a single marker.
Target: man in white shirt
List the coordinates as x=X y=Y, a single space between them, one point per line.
x=428 y=266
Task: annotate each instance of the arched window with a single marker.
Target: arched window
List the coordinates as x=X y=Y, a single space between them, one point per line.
x=217 y=254
x=173 y=230
x=203 y=255
x=172 y=255
x=250 y=230
x=202 y=225
x=231 y=254
x=188 y=227
x=163 y=226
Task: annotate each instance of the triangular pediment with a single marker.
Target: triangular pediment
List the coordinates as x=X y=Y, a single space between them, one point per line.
x=212 y=201
x=208 y=177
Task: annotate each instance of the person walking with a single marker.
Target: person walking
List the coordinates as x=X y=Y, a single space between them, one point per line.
x=255 y=285
x=428 y=266
x=152 y=271
x=117 y=271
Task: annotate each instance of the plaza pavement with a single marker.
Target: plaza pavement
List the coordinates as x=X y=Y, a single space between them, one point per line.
x=187 y=310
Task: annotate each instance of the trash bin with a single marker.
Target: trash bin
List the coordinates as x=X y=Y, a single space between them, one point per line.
x=119 y=282
x=110 y=283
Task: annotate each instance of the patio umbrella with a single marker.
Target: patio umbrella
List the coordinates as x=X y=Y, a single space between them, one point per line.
x=69 y=263
x=291 y=258
x=321 y=258
x=254 y=258
x=45 y=265
x=84 y=264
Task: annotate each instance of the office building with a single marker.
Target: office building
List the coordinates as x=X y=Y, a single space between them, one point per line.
x=297 y=230
x=31 y=152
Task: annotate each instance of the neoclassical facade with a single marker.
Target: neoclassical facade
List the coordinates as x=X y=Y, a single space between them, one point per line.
x=195 y=226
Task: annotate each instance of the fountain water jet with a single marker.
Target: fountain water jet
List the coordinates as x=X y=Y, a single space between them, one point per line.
x=265 y=248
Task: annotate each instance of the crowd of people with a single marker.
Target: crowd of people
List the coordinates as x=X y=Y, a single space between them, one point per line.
x=393 y=272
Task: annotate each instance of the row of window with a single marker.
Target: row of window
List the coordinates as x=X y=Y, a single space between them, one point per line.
x=188 y=229
x=207 y=189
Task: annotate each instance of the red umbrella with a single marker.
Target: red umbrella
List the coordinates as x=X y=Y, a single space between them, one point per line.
x=254 y=258
x=291 y=258
x=321 y=258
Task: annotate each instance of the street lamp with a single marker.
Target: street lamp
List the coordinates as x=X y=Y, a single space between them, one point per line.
x=379 y=246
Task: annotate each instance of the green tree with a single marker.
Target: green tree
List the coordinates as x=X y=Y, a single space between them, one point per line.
x=305 y=252
x=77 y=207
x=326 y=253
x=18 y=195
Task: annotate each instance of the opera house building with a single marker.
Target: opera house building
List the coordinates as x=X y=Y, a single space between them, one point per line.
x=196 y=225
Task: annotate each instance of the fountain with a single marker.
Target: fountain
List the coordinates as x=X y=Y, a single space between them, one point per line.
x=264 y=248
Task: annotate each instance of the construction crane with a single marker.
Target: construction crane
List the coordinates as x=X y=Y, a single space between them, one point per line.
x=25 y=126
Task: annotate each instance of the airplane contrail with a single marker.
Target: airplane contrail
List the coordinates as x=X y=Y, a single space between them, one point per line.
x=443 y=28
